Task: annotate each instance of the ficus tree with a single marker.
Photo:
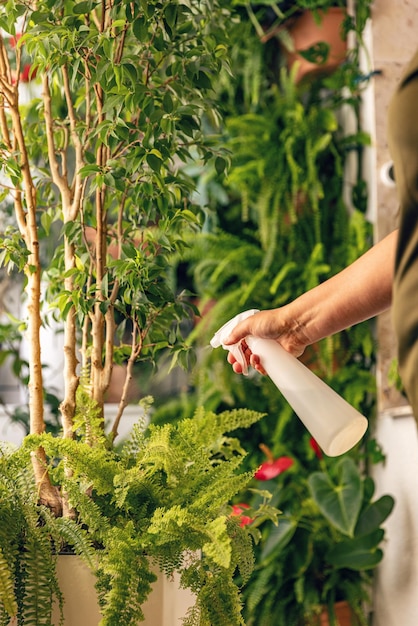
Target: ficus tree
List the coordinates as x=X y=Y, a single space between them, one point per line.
x=93 y=162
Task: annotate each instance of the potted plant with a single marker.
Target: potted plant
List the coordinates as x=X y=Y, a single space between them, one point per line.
x=312 y=34
x=159 y=504
x=91 y=160
x=321 y=558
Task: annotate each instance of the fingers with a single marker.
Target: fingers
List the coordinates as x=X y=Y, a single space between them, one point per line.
x=255 y=363
x=252 y=359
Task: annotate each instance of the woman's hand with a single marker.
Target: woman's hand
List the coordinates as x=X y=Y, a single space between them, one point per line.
x=270 y=324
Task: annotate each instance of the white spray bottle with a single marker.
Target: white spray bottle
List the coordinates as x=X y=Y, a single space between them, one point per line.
x=331 y=420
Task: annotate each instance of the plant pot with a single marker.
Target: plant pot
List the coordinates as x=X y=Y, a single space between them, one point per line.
x=343 y=614
x=166 y=605
x=306 y=30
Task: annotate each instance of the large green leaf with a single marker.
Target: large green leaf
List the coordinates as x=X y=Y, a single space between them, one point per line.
x=279 y=537
x=358 y=554
x=339 y=501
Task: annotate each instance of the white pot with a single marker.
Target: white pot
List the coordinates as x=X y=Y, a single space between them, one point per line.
x=166 y=605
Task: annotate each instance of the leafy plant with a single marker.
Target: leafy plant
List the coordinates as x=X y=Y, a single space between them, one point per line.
x=91 y=165
x=283 y=228
x=286 y=223
x=162 y=499
x=326 y=546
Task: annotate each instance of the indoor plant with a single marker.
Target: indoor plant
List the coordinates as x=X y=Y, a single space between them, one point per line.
x=327 y=544
x=161 y=501
x=311 y=33
x=91 y=171
x=270 y=236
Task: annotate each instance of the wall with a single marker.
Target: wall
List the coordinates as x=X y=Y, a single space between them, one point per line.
x=393 y=41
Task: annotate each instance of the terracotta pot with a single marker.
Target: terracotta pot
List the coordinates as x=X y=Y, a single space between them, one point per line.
x=305 y=31
x=343 y=614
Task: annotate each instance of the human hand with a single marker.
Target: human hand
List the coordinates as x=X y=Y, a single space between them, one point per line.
x=271 y=324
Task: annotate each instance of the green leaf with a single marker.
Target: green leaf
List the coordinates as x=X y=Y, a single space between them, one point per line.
x=359 y=553
x=220 y=164
x=154 y=161
x=168 y=102
x=140 y=29
x=374 y=515
x=339 y=502
x=89 y=169
x=83 y=7
x=279 y=537
x=318 y=53
x=170 y=14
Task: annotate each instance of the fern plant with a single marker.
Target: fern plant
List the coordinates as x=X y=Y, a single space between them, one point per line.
x=163 y=499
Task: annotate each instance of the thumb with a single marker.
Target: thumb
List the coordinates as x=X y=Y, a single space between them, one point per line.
x=238 y=333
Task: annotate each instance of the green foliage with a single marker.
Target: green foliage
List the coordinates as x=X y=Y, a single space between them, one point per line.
x=283 y=228
x=121 y=111
x=163 y=499
x=339 y=502
x=326 y=545
x=285 y=222
x=28 y=581
x=93 y=169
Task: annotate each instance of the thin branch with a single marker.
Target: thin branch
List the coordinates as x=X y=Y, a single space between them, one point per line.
x=78 y=146
x=57 y=176
x=6 y=80
x=136 y=349
x=110 y=313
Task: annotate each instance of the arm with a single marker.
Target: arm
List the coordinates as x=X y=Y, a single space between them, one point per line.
x=359 y=292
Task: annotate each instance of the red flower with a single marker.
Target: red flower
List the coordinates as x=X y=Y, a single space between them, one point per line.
x=271 y=469
x=237 y=511
x=315 y=447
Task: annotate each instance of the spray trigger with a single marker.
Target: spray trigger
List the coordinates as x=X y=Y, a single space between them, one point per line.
x=235 y=349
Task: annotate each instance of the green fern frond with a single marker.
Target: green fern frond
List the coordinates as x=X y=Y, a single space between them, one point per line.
x=88 y=418
x=251 y=287
x=193 y=617
x=228 y=421
x=7 y=594
x=40 y=580
x=74 y=535
x=80 y=457
x=238 y=263
x=218 y=548
x=136 y=440
x=259 y=587
x=124 y=578
x=242 y=552
x=90 y=514
x=219 y=601
x=217 y=481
